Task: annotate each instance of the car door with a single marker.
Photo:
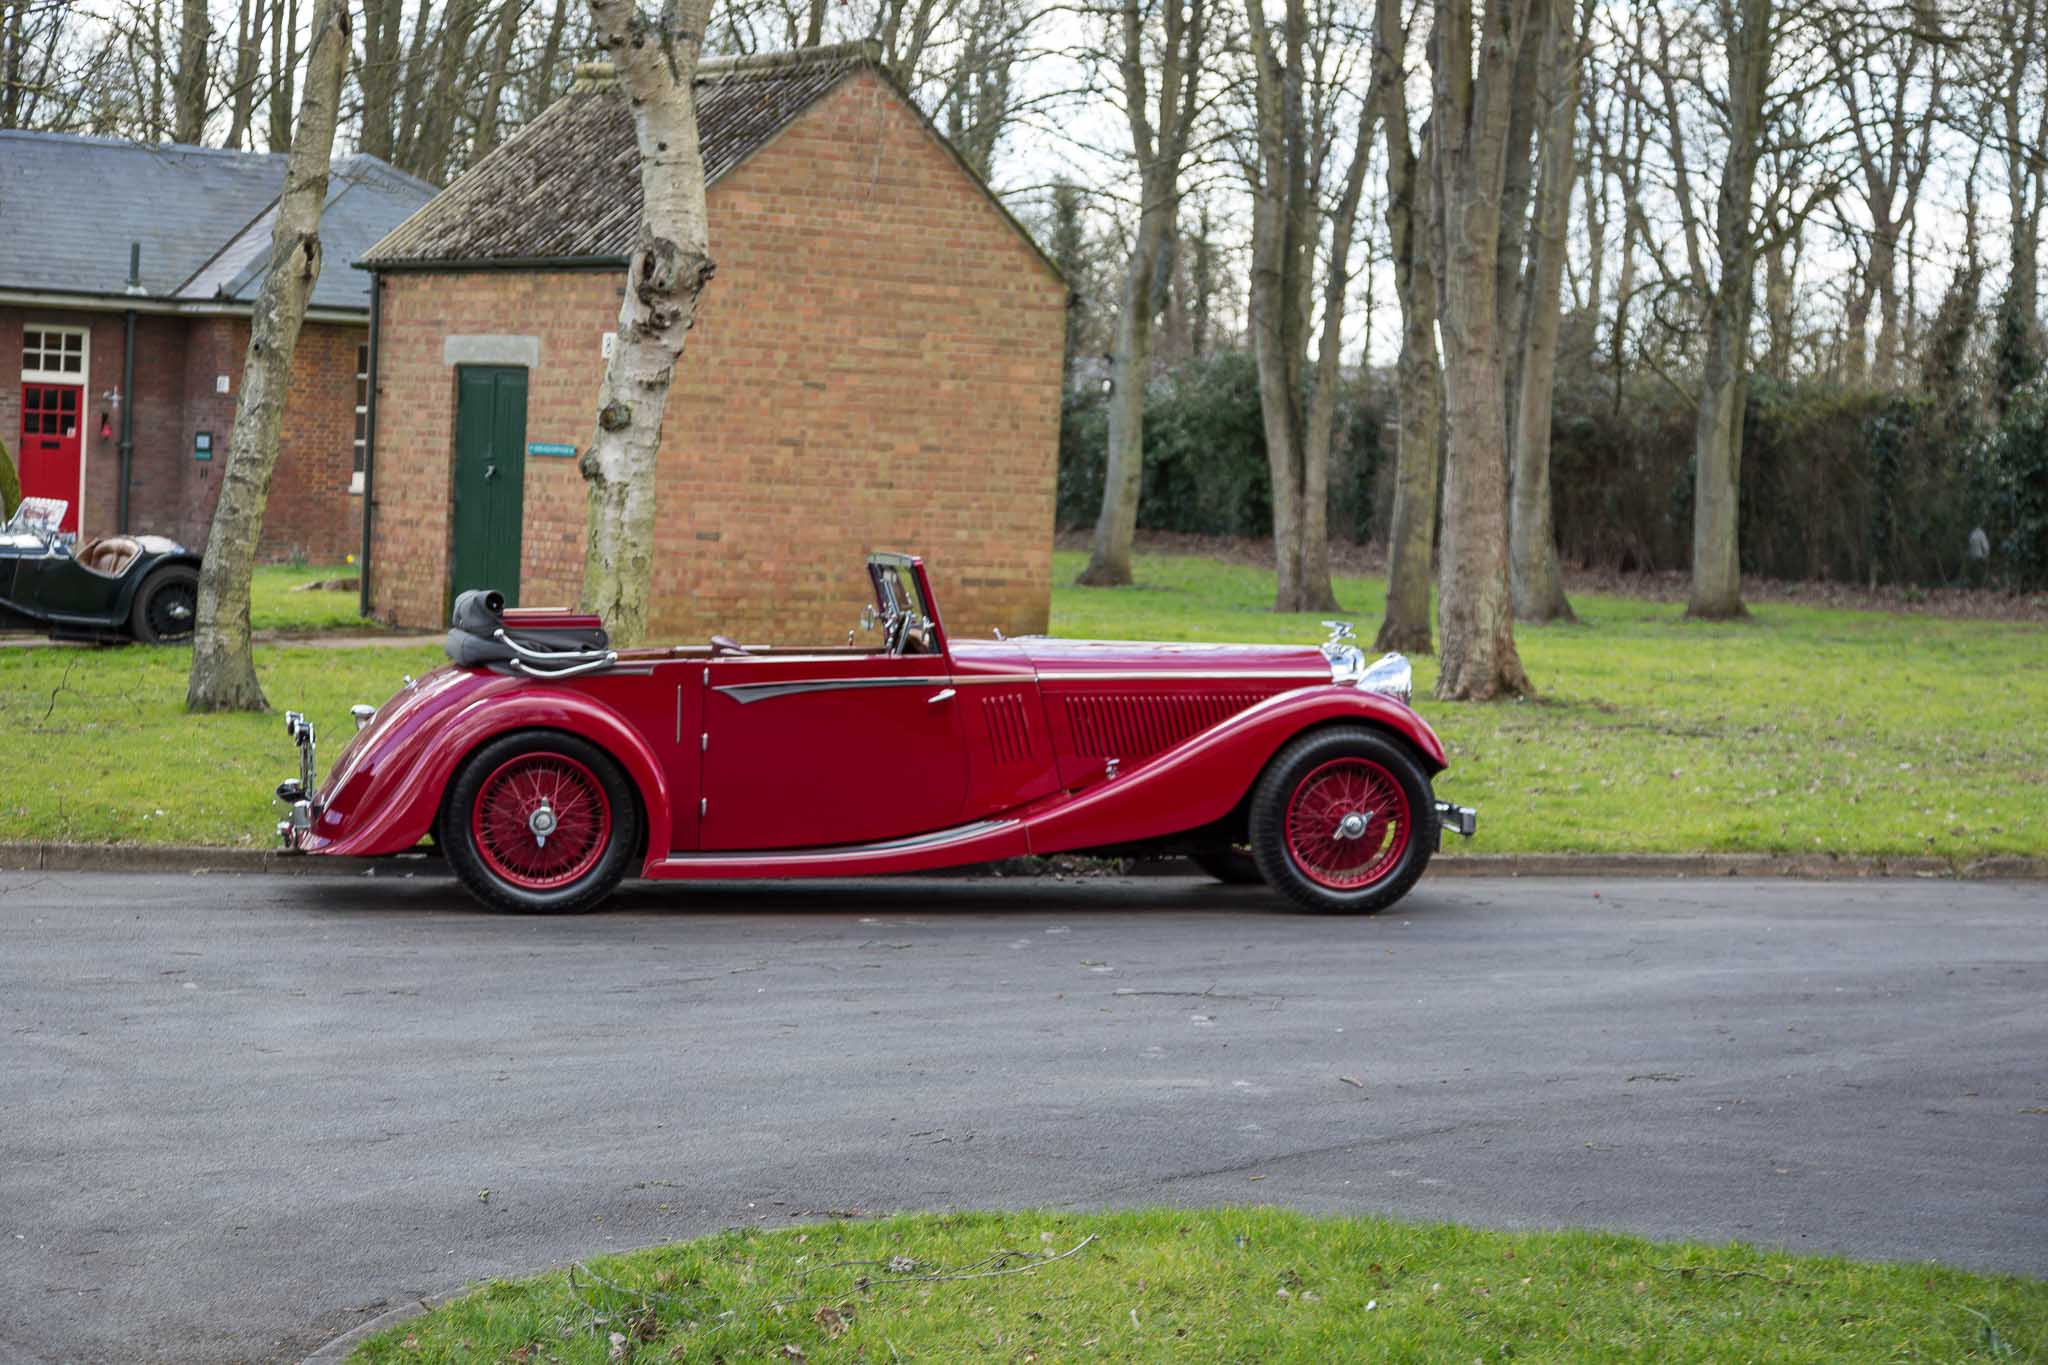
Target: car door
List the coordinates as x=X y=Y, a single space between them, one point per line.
x=811 y=750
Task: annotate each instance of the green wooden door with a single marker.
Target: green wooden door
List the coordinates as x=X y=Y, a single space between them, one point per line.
x=490 y=478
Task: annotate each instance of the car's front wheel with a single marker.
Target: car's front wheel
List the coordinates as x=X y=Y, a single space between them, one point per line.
x=540 y=822
x=166 y=605
x=1343 y=820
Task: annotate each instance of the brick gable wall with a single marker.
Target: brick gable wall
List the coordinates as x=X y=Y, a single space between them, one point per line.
x=876 y=366
x=311 y=514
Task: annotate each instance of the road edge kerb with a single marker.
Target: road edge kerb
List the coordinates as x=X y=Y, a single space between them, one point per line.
x=189 y=860
x=337 y=1350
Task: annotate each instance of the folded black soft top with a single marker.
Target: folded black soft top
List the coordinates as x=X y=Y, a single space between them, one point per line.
x=544 y=641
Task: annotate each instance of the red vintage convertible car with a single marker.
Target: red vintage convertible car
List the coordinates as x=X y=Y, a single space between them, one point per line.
x=547 y=766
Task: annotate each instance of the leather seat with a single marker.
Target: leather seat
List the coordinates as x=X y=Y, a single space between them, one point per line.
x=110 y=555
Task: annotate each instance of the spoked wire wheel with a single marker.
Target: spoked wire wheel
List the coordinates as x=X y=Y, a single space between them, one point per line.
x=1343 y=819
x=1348 y=824
x=541 y=821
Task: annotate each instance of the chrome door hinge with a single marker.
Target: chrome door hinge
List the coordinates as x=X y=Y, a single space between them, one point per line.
x=704 y=742
x=703 y=806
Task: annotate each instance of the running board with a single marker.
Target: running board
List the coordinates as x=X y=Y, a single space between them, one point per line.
x=980 y=842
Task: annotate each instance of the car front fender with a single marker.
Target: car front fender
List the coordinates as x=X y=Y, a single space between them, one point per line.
x=1203 y=779
x=386 y=794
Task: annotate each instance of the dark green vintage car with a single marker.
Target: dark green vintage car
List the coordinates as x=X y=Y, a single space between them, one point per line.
x=114 y=588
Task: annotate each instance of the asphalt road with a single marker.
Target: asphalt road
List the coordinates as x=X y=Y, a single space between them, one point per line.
x=239 y=1115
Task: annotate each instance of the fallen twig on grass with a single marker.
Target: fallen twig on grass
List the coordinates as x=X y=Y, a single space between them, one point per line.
x=1688 y=1271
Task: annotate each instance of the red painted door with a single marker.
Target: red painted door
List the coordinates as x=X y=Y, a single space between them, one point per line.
x=51 y=415
x=807 y=751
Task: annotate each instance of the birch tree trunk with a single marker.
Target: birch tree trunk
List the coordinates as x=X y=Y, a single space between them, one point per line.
x=1159 y=143
x=656 y=60
x=1411 y=541
x=223 y=676
x=1469 y=124
x=1537 y=584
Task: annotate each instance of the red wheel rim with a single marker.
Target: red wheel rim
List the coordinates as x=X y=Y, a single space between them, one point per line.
x=541 y=821
x=1341 y=856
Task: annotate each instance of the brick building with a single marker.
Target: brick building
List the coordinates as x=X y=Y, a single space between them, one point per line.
x=875 y=366
x=194 y=224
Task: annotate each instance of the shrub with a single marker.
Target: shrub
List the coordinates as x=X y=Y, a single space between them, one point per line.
x=1205 y=455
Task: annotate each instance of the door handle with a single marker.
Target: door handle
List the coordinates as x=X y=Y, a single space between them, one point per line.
x=490 y=471
x=943 y=694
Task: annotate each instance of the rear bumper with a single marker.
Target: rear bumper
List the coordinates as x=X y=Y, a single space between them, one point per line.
x=1452 y=819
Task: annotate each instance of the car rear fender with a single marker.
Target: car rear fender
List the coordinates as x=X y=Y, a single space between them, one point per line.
x=1202 y=780
x=387 y=799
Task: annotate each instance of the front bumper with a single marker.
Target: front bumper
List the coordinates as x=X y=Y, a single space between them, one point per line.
x=299 y=792
x=1453 y=819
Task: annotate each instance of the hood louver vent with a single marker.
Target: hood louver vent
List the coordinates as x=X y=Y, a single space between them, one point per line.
x=1009 y=728
x=1135 y=725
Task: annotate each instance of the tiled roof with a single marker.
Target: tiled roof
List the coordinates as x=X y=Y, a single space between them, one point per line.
x=69 y=207
x=567 y=187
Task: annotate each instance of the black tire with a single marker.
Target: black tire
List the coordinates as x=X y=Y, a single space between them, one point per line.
x=480 y=845
x=166 y=606
x=1373 y=772
x=1231 y=864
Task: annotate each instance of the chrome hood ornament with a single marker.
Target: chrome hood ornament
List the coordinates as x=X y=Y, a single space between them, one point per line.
x=1390 y=675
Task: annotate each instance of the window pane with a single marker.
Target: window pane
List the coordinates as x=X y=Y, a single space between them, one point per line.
x=74 y=342
x=67 y=400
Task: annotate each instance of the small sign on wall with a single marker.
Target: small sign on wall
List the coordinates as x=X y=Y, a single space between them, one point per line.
x=220 y=383
x=550 y=448
x=202 y=445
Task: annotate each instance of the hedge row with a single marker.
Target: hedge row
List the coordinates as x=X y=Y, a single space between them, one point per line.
x=1845 y=485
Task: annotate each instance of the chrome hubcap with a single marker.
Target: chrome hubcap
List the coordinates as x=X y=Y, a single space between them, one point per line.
x=1353 y=825
x=542 y=823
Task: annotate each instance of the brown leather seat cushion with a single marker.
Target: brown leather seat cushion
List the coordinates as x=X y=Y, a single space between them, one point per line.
x=110 y=555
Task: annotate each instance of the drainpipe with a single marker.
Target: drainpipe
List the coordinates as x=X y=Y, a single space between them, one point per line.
x=127 y=448
x=369 y=448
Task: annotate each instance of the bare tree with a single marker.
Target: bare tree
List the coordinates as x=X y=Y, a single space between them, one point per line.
x=1537 y=584
x=223 y=674
x=656 y=59
x=1162 y=37
x=1474 y=63
x=1294 y=85
x=284 y=65
x=1893 y=90
x=1747 y=74
x=1410 y=191
x=188 y=82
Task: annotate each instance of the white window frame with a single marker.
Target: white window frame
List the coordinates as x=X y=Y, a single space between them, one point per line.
x=83 y=378
x=359 y=445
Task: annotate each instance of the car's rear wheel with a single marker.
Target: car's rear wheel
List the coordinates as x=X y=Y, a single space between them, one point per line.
x=1343 y=820
x=1231 y=864
x=540 y=822
x=166 y=605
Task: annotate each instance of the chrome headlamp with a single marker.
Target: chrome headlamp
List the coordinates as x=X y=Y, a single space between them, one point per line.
x=1389 y=675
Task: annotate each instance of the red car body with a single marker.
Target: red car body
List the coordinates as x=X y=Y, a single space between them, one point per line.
x=767 y=761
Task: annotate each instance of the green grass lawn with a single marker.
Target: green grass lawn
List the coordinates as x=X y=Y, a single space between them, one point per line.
x=1220 y=1285
x=1803 y=730
x=277 y=601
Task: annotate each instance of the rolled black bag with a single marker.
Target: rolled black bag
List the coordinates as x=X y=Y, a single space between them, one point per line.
x=480 y=614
